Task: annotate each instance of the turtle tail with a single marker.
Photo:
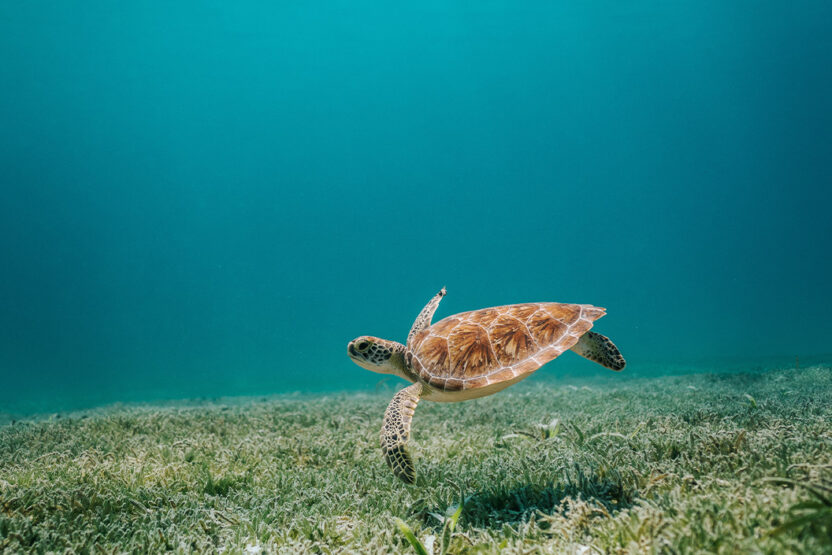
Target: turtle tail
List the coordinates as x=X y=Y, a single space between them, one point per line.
x=598 y=348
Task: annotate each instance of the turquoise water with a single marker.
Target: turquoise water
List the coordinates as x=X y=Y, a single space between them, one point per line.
x=212 y=198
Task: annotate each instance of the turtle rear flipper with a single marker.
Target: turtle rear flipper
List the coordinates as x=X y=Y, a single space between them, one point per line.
x=598 y=348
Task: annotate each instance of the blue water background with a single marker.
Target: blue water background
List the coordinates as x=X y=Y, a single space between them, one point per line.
x=212 y=198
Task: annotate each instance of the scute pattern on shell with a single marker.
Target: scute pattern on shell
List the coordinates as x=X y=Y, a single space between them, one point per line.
x=491 y=345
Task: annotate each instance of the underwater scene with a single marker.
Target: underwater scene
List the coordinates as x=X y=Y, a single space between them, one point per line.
x=444 y=277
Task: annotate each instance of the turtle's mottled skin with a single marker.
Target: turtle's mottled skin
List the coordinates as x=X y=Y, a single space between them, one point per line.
x=474 y=354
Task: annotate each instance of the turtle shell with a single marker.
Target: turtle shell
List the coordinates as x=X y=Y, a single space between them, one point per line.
x=483 y=347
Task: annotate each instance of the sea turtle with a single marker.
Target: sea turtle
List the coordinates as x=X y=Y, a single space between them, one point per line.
x=474 y=354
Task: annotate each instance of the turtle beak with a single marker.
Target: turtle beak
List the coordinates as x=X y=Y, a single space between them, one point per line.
x=351 y=350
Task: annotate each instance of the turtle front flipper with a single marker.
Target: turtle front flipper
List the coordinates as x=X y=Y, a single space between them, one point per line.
x=395 y=431
x=423 y=319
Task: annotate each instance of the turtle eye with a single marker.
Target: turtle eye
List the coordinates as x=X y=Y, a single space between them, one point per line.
x=363 y=345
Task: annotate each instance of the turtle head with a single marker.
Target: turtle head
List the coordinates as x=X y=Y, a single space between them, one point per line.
x=377 y=355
